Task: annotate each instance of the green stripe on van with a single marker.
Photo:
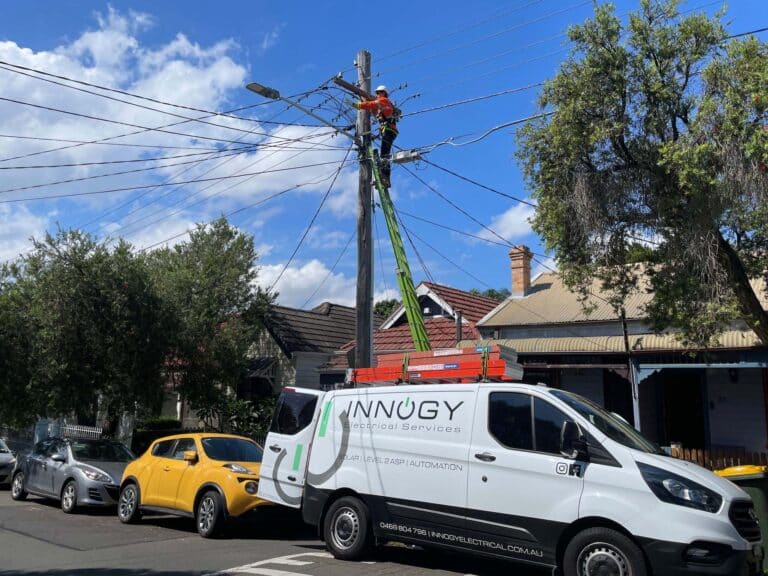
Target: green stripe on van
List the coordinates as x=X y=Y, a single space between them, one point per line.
x=297 y=456
x=324 y=421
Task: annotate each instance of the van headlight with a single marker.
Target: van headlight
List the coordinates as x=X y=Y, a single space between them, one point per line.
x=675 y=489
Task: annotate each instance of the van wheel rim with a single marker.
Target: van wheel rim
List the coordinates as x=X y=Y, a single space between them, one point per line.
x=206 y=514
x=68 y=498
x=127 y=502
x=18 y=484
x=601 y=559
x=346 y=528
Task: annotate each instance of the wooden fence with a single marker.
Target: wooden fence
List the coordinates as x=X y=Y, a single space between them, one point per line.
x=718 y=459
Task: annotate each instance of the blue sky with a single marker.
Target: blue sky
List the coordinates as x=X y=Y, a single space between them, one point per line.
x=200 y=54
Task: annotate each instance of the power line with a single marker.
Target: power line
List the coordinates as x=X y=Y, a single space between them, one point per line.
x=450 y=141
x=423 y=263
x=312 y=220
x=127 y=134
x=95 y=142
x=203 y=189
x=4 y=64
x=170 y=191
x=490 y=36
x=445 y=227
x=195 y=181
x=242 y=209
x=128 y=161
x=333 y=268
x=130 y=125
x=110 y=174
x=460 y=209
x=476 y=99
x=381 y=253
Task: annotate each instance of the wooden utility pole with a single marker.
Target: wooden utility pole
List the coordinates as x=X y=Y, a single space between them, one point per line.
x=364 y=305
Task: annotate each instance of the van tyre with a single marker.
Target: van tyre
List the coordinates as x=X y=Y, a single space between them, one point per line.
x=210 y=514
x=605 y=552
x=347 y=529
x=17 y=487
x=128 y=504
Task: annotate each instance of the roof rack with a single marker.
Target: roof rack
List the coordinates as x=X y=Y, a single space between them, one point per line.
x=492 y=363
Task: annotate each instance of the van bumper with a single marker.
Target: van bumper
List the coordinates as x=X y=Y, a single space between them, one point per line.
x=673 y=559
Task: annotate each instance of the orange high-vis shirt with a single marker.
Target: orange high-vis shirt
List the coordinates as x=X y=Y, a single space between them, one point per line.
x=383 y=109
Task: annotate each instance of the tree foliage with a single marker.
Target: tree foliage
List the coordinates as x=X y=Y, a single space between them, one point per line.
x=492 y=293
x=208 y=283
x=83 y=329
x=384 y=308
x=656 y=133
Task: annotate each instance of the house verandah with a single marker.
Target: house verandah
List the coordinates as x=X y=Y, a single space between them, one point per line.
x=715 y=400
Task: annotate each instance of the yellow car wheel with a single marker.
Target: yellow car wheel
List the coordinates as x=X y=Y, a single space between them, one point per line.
x=210 y=514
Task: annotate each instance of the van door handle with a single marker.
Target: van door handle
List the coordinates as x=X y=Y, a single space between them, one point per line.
x=485 y=457
x=275 y=448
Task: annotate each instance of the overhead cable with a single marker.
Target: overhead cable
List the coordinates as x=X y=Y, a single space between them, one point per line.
x=333 y=268
x=312 y=220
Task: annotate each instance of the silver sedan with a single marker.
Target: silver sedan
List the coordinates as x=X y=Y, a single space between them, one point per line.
x=7 y=463
x=75 y=472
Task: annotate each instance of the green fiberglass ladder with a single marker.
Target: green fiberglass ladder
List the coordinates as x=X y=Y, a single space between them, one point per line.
x=404 y=277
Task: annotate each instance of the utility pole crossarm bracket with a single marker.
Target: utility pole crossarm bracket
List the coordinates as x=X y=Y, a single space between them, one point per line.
x=349 y=87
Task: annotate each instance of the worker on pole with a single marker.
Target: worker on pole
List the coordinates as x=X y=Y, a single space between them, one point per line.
x=386 y=114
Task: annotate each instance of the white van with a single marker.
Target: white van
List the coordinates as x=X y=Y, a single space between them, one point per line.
x=523 y=472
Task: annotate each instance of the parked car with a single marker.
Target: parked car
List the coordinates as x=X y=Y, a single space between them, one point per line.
x=208 y=477
x=76 y=472
x=7 y=463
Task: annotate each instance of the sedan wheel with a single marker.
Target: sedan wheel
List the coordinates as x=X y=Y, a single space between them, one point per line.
x=69 y=497
x=128 y=504
x=17 y=487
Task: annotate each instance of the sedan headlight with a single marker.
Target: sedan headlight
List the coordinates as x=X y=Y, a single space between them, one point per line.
x=237 y=468
x=675 y=489
x=96 y=474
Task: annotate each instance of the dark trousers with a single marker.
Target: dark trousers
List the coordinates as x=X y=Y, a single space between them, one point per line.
x=387 y=139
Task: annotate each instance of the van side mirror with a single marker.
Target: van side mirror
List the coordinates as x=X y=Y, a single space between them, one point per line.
x=573 y=443
x=190 y=456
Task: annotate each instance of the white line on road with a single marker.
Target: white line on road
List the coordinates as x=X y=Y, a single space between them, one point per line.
x=256 y=567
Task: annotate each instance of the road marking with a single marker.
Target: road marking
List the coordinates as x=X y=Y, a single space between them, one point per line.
x=256 y=567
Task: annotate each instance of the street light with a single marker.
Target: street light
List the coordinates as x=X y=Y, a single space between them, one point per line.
x=273 y=94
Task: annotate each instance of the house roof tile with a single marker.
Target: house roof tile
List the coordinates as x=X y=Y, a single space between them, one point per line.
x=323 y=329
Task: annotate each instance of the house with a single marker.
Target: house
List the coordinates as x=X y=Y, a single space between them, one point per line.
x=450 y=315
x=714 y=398
x=295 y=344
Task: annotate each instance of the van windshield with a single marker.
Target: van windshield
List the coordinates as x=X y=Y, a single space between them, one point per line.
x=613 y=427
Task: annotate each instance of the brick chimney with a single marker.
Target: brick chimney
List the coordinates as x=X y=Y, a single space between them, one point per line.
x=520 y=263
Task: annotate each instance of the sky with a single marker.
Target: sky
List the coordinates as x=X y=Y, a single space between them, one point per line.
x=277 y=174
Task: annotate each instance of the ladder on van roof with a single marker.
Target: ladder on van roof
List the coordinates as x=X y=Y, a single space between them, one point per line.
x=492 y=363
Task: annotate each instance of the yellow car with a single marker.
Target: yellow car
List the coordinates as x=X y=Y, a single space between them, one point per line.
x=208 y=477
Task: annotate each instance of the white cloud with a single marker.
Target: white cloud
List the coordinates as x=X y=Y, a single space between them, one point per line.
x=511 y=225
x=18 y=226
x=270 y=39
x=300 y=281
x=168 y=233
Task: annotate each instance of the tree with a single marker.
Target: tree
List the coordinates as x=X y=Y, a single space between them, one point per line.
x=655 y=132
x=384 y=308
x=208 y=284
x=500 y=295
x=91 y=332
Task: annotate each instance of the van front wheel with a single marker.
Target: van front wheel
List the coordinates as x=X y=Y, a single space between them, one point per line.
x=603 y=551
x=347 y=529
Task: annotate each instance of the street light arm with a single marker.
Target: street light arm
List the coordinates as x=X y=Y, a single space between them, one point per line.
x=273 y=94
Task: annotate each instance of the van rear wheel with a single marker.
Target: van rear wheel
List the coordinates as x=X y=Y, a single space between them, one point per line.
x=605 y=552
x=347 y=529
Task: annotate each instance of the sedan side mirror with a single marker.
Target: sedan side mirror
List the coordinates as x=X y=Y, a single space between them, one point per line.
x=59 y=458
x=190 y=456
x=573 y=443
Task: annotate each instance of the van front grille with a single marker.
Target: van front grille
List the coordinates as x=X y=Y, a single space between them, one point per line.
x=743 y=518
